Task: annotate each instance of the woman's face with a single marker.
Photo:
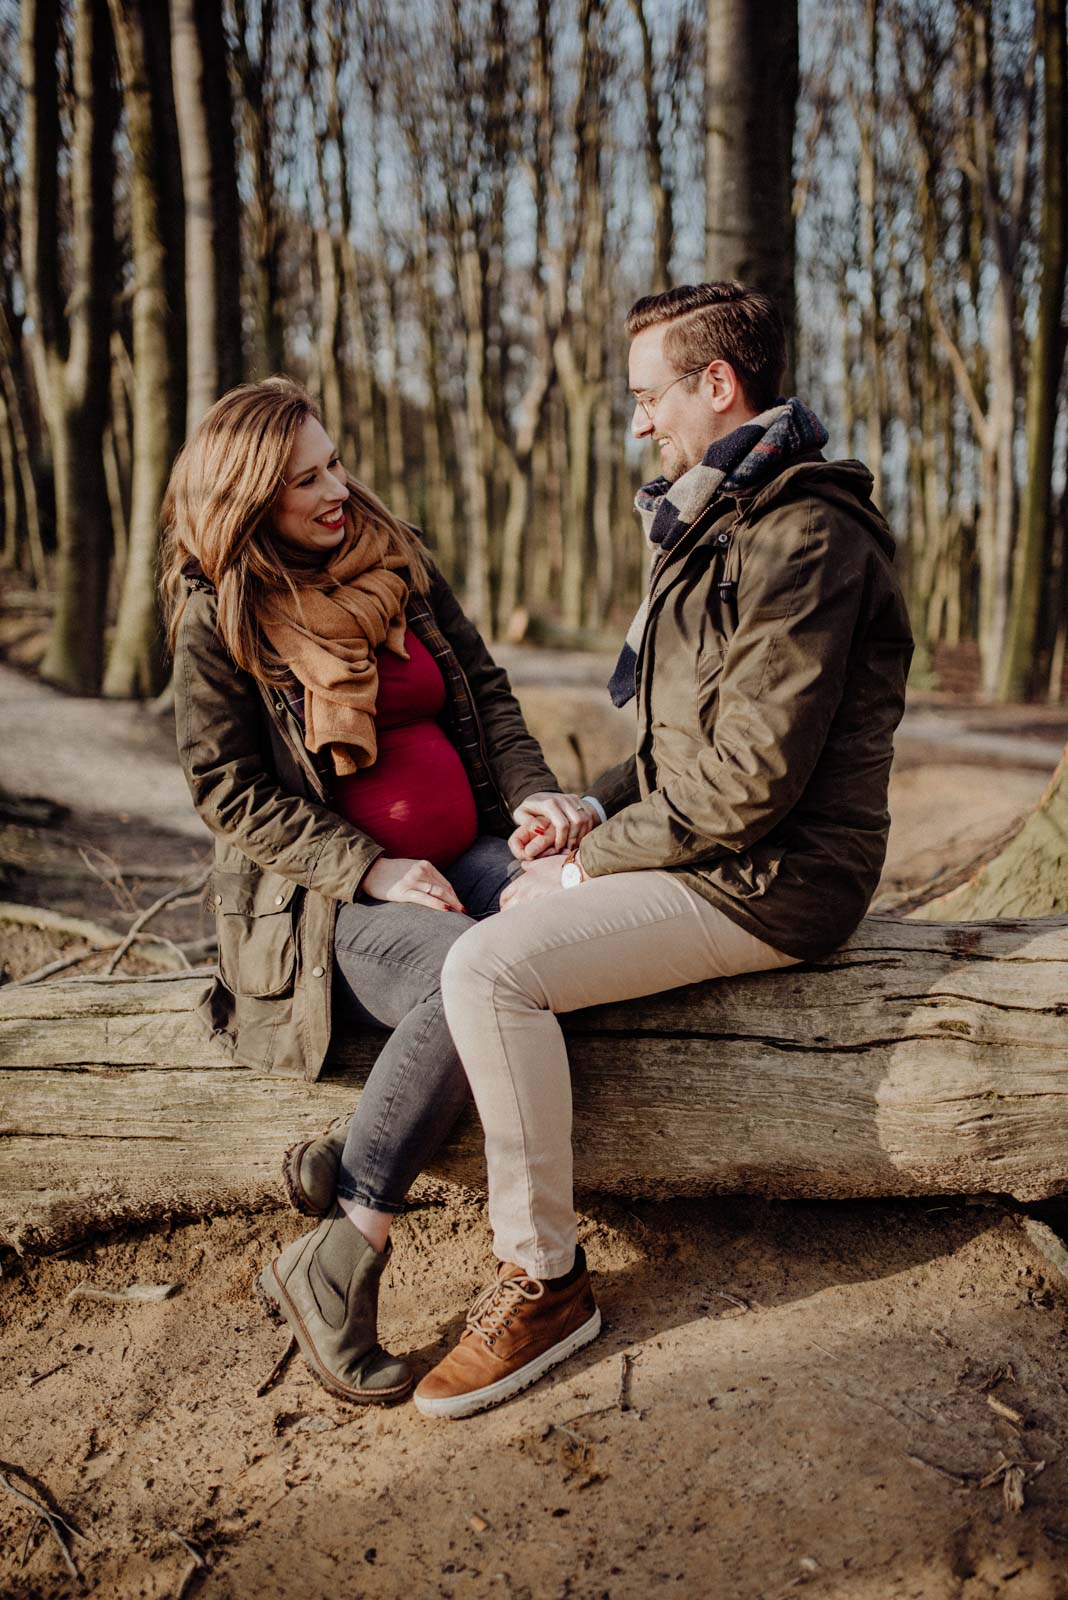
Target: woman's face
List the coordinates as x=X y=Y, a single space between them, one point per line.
x=309 y=513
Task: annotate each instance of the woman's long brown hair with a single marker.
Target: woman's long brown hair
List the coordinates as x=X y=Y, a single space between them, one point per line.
x=218 y=509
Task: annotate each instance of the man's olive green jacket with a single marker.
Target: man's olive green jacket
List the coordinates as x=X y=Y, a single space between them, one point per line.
x=283 y=858
x=770 y=679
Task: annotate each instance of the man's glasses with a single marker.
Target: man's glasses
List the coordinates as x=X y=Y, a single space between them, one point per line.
x=649 y=399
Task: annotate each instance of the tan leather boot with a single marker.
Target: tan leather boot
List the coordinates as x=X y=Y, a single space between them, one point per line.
x=309 y=1170
x=325 y=1286
x=517 y=1329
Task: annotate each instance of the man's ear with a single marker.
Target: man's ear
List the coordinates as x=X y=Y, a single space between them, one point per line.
x=723 y=386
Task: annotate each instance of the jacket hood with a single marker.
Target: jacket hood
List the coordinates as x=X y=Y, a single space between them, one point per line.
x=846 y=485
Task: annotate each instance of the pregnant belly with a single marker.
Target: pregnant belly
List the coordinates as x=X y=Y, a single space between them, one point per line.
x=416 y=800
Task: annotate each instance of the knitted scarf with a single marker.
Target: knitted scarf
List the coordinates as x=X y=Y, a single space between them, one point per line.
x=327 y=634
x=743 y=460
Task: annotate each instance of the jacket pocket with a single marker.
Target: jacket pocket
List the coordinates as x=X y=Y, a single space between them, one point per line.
x=748 y=876
x=255 y=914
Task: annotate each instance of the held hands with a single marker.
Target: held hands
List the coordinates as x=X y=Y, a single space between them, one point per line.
x=397 y=878
x=550 y=823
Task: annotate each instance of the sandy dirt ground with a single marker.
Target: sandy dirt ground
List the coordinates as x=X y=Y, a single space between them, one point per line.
x=859 y=1401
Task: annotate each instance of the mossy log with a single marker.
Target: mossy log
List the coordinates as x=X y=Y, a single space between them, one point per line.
x=919 y=1059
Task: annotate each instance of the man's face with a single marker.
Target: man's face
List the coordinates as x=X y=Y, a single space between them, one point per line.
x=686 y=416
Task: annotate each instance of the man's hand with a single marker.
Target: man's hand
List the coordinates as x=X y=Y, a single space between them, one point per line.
x=548 y=823
x=397 y=878
x=539 y=877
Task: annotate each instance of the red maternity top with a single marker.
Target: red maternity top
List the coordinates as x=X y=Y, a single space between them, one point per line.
x=416 y=799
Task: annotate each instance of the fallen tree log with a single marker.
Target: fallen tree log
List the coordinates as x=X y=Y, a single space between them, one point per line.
x=918 y=1059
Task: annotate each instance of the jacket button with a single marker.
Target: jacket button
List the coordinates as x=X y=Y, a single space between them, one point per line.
x=317 y=972
x=218 y=899
x=723 y=538
x=279 y=899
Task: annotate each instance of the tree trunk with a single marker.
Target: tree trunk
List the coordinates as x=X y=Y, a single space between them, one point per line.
x=10 y=491
x=918 y=1059
x=212 y=217
x=71 y=332
x=868 y=113
x=1018 y=677
x=265 y=229
x=660 y=196
x=136 y=667
x=751 y=76
x=14 y=382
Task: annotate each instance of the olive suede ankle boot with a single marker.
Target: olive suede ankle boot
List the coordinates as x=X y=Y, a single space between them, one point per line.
x=325 y=1286
x=309 y=1170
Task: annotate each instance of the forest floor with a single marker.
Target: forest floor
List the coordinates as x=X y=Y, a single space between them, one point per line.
x=847 y=1399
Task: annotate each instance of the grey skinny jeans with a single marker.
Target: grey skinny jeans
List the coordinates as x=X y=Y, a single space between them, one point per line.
x=388 y=957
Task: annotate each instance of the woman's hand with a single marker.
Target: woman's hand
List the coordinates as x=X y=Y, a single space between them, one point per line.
x=550 y=823
x=396 y=878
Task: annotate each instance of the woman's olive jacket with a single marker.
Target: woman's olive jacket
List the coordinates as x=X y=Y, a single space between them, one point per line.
x=770 y=679
x=283 y=858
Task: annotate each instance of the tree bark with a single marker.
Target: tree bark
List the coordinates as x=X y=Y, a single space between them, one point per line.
x=661 y=200
x=71 y=332
x=136 y=667
x=751 y=77
x=1018 y=667
x=212 y=218
x=918 y=1059
x=264 y=221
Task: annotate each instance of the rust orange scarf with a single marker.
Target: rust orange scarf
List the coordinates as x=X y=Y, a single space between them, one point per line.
x=327 y=634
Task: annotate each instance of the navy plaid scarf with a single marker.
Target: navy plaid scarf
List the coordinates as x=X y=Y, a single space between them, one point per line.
x=744 y=460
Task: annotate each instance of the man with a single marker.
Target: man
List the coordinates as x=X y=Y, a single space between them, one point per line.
x=747 y=832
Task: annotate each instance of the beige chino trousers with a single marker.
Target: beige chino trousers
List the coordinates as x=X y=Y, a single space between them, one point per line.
x=503 y=982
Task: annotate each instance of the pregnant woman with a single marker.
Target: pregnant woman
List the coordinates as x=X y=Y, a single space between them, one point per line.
x=361 y=762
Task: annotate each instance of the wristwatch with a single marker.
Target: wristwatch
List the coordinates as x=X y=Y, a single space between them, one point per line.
x=571 y=873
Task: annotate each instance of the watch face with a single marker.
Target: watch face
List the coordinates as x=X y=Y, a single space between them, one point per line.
x=570 y=875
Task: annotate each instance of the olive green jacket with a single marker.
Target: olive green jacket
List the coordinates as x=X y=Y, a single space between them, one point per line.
x=283 y=858
x=770 y=679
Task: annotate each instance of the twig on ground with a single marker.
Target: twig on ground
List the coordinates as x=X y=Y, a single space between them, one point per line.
x=277 y=1370
x=190 y=1573
x=1012 y=1489
x=134 y=1291
x=733 y=1299
x=966 y=1479
x=623 y=1401
x=26 y=1542
x=1003 y=1410
x=41 y=1376
x=187 y=886
x=53 y=1519
x=193 y=1551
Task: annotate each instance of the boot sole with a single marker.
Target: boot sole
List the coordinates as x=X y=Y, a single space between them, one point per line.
x=290 y=1178
x=282 y=1312
x=465 y=1405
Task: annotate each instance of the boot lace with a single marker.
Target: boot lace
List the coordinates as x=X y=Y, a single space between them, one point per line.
x=492 y=1312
